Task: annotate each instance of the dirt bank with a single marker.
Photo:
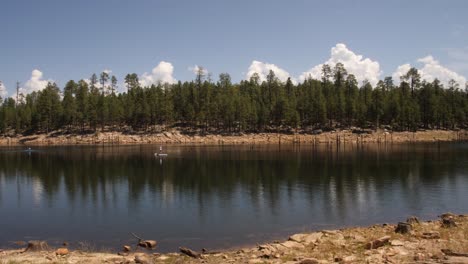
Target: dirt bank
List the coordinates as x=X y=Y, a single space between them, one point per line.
x=440 y=241
x=176 y=137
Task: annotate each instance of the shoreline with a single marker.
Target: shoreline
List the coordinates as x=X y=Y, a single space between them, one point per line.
x=443 y=240
x=176 y=137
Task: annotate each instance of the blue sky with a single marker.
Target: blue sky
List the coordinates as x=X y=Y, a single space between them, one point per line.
x=66 y=40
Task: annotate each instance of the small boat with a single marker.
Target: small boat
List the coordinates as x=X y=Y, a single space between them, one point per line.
x=160 y=154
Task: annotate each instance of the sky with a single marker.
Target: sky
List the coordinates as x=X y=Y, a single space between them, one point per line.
x=56 y=40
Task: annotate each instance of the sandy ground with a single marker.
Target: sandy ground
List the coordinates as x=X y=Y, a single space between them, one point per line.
x=427 y=242
x=175 y=137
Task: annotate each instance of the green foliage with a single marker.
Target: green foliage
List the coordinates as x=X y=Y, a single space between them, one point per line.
x=251 y=105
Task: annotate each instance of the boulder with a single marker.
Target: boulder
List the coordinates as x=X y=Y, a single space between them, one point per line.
x=297 y=238
x=448 y=222
x=396 y=243
x=306 y=238
x=37 y=245
x=61 y=251
x=403 y=228
x=312 y=238
x=292 y=244
x=147 y=243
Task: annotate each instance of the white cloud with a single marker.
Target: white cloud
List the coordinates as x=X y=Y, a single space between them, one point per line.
x=362 y=68
x=430 y=70
x=400 y=71
x=35 y=83
x=163 y=72
x=3 y=91
x=263 y=69
x=195 y=69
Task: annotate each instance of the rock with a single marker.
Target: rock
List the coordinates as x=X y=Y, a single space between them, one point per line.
x=147 y=243
x=403 y=228
x=419 y=257
x=412 y=220
x=163 y=258
x=349 y=259
x=253 y=261
x=358 y=238
x=378 y=242
x=126 y=248
x=401 y=251
x=431 y=235
x=122 y=253
x=396 y=243
x=309 y=261
x=448 y=222
x=297 y=238
x=36 y=245
x=330 y=232
x=456 y=260
x=142 y=259
x=312 y=238
x=306 y=238
x=61 y=251
x=292 y=244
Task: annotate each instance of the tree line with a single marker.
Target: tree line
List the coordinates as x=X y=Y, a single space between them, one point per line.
x=334 y=101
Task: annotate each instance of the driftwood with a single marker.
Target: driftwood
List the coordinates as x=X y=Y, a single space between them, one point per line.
x=449 y=252
x=378 y=242
x=145 y=243
x=36 y=245
x=190 y=252
x=403 y=228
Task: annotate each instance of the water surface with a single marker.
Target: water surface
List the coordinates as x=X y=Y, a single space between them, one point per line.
x=220 y=197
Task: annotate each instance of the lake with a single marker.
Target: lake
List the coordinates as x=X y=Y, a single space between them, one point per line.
x=220 y=196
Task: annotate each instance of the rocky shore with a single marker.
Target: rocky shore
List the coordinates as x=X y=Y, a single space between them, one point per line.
x=440 y=241
x=176 y=137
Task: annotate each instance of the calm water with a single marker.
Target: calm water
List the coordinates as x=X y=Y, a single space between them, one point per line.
x=220 y=197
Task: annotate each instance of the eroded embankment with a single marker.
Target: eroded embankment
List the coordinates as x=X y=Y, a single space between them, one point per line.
x=176 y=137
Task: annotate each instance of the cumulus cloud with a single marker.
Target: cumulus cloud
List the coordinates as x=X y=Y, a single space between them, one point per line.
x=35 y=83
x=163 y=73
x=400 y=71
x=3 y=91
x=263 y=69
x=362 y=68
x=430 y=70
